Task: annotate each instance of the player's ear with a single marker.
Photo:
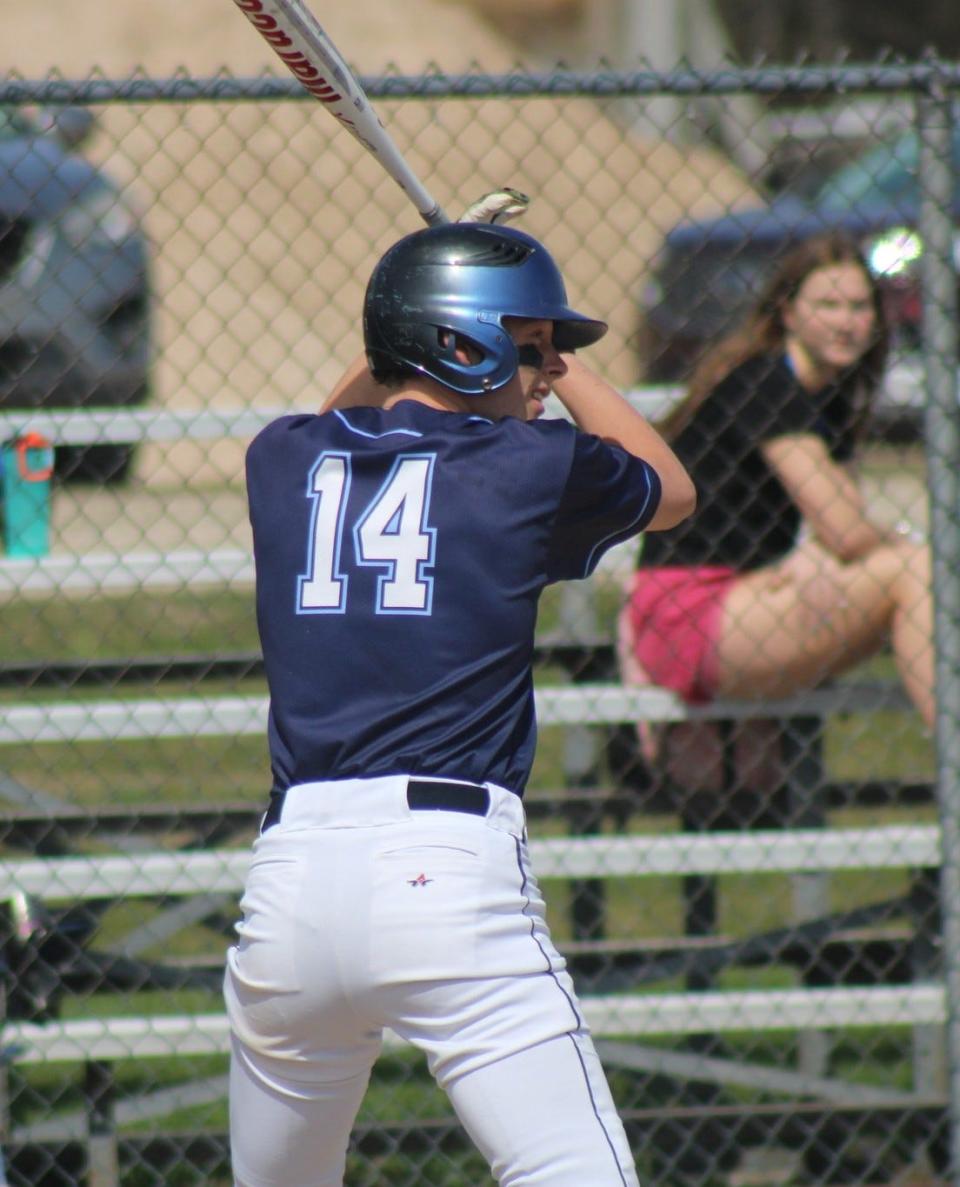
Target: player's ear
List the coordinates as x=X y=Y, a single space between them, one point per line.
x=467 y=352
x=464 y=350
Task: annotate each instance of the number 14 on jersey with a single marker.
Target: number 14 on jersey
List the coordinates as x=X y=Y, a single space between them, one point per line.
x=391 y=533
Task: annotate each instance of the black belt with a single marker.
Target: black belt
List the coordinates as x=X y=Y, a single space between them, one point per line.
x=431 y=794
x=423 y=795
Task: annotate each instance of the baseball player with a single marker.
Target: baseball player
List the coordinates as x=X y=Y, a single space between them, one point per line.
x=402 y=539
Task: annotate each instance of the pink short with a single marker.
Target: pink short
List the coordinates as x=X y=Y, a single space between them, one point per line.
x=675 y=616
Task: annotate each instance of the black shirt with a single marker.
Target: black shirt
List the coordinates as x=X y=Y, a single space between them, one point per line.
x=745 y=519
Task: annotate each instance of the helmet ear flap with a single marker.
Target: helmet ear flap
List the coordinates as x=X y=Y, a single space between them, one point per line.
x=476 y=359
x=461 y=349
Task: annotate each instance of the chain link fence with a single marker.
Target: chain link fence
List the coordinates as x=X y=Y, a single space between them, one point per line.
x=767 y=955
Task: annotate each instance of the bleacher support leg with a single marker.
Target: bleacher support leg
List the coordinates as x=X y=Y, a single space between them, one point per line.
x=4 y=1095
x=104 y=1164
x=929 y=1044
x=801 y=751
x=578 y=620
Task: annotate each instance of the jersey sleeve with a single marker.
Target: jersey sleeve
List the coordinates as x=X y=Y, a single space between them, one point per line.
x=609 y=496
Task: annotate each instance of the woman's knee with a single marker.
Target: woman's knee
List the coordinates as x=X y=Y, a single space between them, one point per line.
x=898 y=573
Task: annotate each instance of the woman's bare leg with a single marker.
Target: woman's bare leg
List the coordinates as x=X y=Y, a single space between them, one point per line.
x=813 y=617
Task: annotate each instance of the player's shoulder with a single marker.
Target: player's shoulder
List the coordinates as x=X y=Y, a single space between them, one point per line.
x=410 y=424
x=553 y=427
x=280 y=440
x=546 y=434
x=547 y=442
x=280 y=427
x=565 y=445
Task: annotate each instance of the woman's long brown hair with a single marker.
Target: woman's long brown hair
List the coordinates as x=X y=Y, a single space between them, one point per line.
x=763 y=332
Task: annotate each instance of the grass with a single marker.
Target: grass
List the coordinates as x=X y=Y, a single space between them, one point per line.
x=149 y=624
x=204 y=770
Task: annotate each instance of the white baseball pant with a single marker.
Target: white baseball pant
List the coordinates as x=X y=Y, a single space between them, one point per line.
x=361 y=913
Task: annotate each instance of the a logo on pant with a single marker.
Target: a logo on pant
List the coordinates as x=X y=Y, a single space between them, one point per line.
x=420 y=880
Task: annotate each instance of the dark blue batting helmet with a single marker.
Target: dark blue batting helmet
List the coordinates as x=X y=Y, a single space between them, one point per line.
x=463 y=279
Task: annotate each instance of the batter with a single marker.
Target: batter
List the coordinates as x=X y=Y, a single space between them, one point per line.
x=402 y=540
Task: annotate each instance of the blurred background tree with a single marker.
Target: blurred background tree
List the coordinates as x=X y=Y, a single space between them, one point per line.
x=627 y=30
x=760 y=134
x=861 y=29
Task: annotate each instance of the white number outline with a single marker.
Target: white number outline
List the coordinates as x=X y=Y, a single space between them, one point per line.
x=409 y=487
x=396 y=518
x=331 y=469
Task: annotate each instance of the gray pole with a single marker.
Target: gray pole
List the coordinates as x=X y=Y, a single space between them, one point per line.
x=652 y=34
x=934 y=117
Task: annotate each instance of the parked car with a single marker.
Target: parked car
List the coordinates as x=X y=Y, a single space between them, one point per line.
x=708 y=272
x=75 y=310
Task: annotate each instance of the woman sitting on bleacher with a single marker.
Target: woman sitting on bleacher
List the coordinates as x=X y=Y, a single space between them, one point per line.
x=780 y=579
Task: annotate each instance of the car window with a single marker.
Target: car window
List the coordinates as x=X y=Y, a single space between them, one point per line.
x=13 y=123
x=702 y=273
x=700 y=291
x=884 y=173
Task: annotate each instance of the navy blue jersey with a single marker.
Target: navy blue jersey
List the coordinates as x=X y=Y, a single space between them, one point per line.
x=400 y=556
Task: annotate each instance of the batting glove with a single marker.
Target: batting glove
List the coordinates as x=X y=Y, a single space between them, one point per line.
x=499 y=206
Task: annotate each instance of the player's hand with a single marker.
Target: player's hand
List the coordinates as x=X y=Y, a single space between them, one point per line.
x=499 y=206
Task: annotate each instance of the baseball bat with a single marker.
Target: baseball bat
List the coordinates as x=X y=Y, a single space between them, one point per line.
x=299 y=41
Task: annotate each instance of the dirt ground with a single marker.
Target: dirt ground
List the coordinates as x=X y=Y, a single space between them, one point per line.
x=265 y=222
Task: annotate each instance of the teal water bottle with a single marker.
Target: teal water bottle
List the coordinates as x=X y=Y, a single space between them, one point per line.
x=27 y=465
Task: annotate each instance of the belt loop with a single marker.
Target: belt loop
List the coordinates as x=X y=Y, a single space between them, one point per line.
x=274 y=811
